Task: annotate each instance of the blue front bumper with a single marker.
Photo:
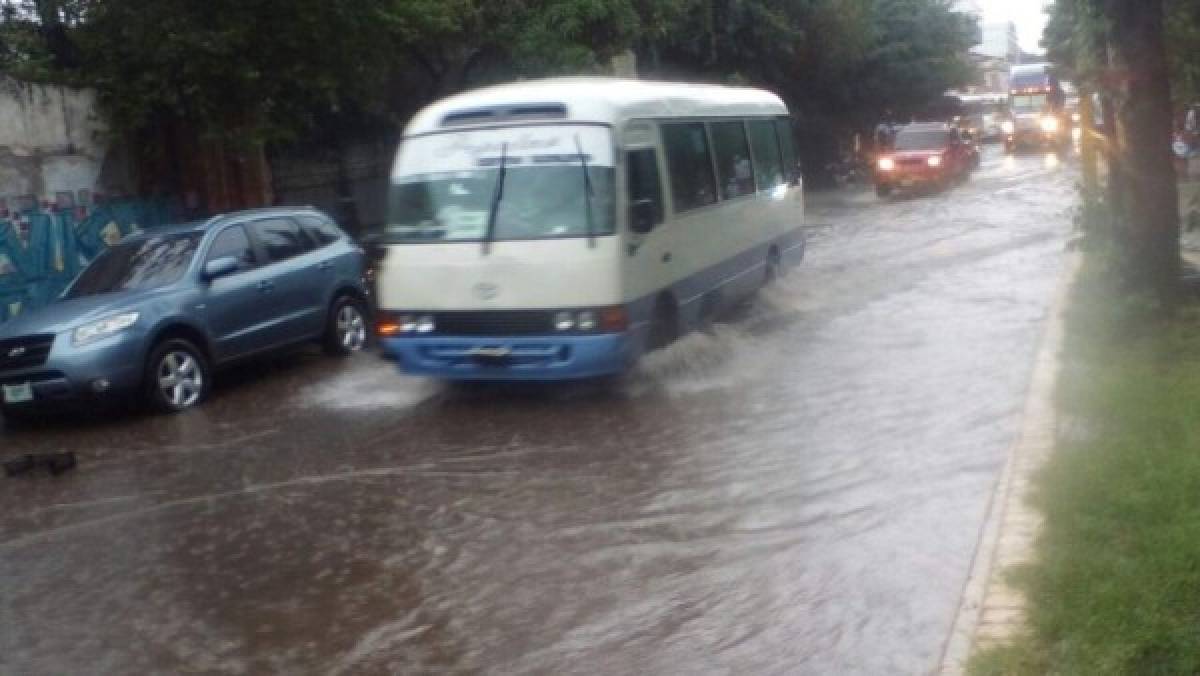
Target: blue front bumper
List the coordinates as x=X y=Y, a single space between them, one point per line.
x=513 y=357
x=68 y=373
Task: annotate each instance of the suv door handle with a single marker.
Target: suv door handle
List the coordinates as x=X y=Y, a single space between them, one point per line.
x=266 y=286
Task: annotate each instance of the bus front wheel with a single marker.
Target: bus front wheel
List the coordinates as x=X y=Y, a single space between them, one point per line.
x=664 y=328
x=774 y=270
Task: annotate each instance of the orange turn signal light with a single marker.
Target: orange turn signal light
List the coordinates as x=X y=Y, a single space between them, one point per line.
x=388 y=329
x=614 y=319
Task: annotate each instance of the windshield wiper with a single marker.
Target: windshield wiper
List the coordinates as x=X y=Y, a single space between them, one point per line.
x=497 y=195
x=587 y=193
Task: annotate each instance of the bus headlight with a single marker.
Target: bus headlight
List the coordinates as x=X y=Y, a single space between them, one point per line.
x=934 y=161
x=597 y=320
x=886 y=164
x=1049 y=124
x=586 y=320
x=397 y=325
x=1008 y=127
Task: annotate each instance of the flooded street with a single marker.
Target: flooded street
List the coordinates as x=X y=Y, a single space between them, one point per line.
x=800 y=491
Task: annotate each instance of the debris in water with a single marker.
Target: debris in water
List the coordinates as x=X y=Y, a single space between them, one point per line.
x=55 y=463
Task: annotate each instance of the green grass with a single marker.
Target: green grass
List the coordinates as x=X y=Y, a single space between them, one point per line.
x=1115 y=588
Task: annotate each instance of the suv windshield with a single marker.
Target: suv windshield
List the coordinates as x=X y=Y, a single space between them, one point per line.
x=921 y=140
x=447 y=183
x=145 y=263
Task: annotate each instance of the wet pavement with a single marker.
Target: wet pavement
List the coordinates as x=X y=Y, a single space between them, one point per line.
x=799 y=491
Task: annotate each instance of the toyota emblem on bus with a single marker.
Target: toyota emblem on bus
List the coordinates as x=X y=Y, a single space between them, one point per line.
x=486 y=291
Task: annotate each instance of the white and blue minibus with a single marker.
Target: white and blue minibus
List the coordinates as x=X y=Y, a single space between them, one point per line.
x=561 y=228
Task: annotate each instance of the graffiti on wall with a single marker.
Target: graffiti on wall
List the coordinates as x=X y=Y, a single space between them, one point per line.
x=41 y=251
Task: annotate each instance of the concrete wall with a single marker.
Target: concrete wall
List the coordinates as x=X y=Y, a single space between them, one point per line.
x=52 y=141
x=301 y=181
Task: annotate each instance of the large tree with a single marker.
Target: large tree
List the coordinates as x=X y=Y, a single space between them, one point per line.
x=1144 y=126
x=1120 y=47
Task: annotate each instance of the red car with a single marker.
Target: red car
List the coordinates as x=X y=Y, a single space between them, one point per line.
x=925 y=155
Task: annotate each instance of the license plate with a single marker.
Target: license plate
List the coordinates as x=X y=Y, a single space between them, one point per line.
x=18 y=394
x=491 y=352
x=907 y=183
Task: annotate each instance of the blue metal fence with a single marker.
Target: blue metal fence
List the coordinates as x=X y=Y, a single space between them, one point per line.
x=35 y=269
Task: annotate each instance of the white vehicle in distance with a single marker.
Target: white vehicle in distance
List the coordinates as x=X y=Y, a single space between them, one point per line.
x=561 y=228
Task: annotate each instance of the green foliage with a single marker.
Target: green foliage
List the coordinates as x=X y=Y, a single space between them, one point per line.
x=848 y=59
x=1076 y=34
x=275 y=69
x=227 y=68
x=1183 y=38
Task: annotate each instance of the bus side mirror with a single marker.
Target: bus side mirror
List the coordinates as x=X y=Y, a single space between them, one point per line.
x=643 y=216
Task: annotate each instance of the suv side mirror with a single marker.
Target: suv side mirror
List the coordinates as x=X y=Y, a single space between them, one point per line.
x=220 y=267
x=643 y=216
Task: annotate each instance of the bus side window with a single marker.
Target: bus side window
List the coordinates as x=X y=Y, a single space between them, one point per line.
x=768 y=163
x=644 y=183
x=693 y=184
x=791 y=168
x=733 y=158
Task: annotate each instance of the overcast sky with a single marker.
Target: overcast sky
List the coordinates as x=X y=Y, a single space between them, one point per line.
x=1027 y=14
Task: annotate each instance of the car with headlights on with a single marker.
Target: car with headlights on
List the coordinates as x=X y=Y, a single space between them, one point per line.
x=159 y=312
x=925 y=155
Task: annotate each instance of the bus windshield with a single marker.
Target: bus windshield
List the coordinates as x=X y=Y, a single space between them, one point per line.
x=1029 y=103
x=446 y=184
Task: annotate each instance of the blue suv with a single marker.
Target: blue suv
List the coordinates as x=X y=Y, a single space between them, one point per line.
x=155 y=314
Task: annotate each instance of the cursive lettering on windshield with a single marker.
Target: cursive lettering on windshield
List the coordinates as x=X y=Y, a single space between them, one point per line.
x=461 y=144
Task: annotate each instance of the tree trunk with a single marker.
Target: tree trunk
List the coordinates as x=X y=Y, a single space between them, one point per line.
x=1087 y=143
x=1144 y=136
x=1116 y=190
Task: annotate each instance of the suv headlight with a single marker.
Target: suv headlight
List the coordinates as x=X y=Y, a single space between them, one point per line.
x=90 y=333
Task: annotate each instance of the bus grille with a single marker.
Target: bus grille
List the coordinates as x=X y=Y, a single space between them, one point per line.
x=494 y=323
x=25 y=352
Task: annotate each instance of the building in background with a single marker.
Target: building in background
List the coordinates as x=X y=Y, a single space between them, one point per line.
x=1000 y=42
x=972 y=8
x=994 y=56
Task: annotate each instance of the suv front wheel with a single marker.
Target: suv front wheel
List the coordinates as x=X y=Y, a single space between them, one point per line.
x=346 y=330
x=177 y=376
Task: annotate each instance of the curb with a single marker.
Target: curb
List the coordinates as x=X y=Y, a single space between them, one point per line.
x=991 y=611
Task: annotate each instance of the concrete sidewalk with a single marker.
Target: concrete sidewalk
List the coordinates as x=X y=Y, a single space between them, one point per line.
x=991 y=610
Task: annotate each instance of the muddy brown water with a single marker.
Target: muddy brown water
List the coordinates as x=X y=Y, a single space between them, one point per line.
x=799 y=491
